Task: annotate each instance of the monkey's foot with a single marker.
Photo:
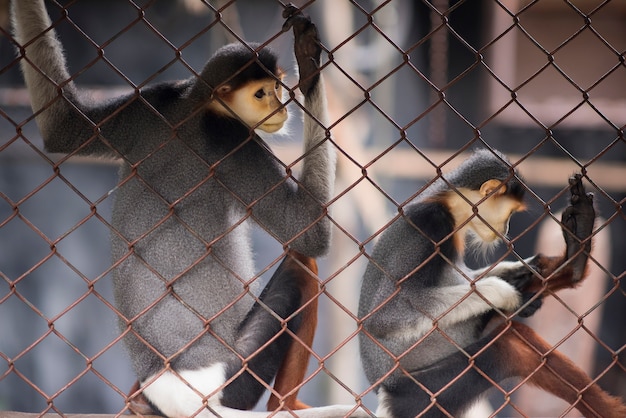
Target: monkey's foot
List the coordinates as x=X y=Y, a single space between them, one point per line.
x=298 y=404
x=139 y=404
x=577 y=224
x=307 y=46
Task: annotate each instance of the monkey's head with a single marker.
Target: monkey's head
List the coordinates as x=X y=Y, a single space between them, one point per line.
x=487 y=191
x=246 y=85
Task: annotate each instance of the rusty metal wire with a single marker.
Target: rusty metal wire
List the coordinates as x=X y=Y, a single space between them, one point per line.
x=457 y=40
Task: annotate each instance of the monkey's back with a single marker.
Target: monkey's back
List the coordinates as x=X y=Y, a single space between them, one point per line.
x=169 y=269
x=181 y=239
x=408 y=267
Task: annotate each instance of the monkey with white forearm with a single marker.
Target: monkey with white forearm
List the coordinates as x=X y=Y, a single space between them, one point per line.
x=425 y=340
x=193 y=173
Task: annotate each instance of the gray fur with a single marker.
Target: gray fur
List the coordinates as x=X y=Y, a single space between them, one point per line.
x=479 y=167
x=416 y=274
x=185 y=198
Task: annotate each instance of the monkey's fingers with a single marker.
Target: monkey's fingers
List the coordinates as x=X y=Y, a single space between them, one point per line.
x=579 y=197
x=577 y=224
x=578 y=218
x=307 y=46
x=138 y=404
x=290 y=11
x=297 y=20
x=576 y=187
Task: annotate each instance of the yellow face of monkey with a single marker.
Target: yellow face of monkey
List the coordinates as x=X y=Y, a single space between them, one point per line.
x=486 y=212
x=492 y=221
x=256 y=103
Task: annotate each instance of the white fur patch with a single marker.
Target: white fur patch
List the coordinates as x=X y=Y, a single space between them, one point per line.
x=183 y=396
x=496 y=291
x=490 y=292
x=382 y=411
x=499 y=293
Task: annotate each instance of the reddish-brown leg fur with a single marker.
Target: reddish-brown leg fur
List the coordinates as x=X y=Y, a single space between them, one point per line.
x=558 y=374
x=292 y=370
x=511 y=350
x=555 y=275
x=139 y=404
x=530 y=356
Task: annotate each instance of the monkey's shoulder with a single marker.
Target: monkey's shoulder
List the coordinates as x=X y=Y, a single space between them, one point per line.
x=148 y=107
x=405 y=251
x=165 y=95
x=414 y=235
x=430 y=219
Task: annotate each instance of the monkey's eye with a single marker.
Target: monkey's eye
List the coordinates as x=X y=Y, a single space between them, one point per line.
x=277 y=86
x=259 y=94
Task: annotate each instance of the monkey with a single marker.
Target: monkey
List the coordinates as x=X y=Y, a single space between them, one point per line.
x=194 y=174
x=435 y=334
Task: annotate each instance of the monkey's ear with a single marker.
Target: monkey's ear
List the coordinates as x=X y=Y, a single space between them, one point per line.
x=223 y=90
x=494 y=186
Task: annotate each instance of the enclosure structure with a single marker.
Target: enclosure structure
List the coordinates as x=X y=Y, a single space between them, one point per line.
x=413 y=87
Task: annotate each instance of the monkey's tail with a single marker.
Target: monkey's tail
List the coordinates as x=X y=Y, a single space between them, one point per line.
x=263 y=341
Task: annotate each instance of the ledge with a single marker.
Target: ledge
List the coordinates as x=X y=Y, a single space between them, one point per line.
x=11 y=414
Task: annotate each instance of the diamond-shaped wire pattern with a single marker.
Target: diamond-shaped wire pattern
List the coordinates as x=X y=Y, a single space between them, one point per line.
x=413 y=88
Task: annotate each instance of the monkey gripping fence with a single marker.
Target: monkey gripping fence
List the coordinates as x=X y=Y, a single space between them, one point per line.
x=413 y=86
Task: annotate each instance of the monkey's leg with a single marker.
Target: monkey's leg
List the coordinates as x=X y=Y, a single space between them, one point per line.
x=262 y=340
x=517 y=351
x=293 y=285
x=293 y=368
x=529 y=355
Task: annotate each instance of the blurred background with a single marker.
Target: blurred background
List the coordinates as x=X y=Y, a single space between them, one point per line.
x=413 y=87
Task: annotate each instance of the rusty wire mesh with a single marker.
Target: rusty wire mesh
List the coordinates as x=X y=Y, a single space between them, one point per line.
x=413 y=87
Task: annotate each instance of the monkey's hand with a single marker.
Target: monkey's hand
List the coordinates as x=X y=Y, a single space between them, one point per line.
x=521 y=276
x=577 y=223
x=307 y=46
x=530 y=305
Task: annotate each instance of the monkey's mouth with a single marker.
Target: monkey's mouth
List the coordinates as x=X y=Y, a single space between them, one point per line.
x=271 y=127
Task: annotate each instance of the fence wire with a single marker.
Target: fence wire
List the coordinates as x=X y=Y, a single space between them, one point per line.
x=413 y=88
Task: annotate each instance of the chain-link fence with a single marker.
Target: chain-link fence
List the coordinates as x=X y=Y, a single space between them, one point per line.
x=413 y=87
